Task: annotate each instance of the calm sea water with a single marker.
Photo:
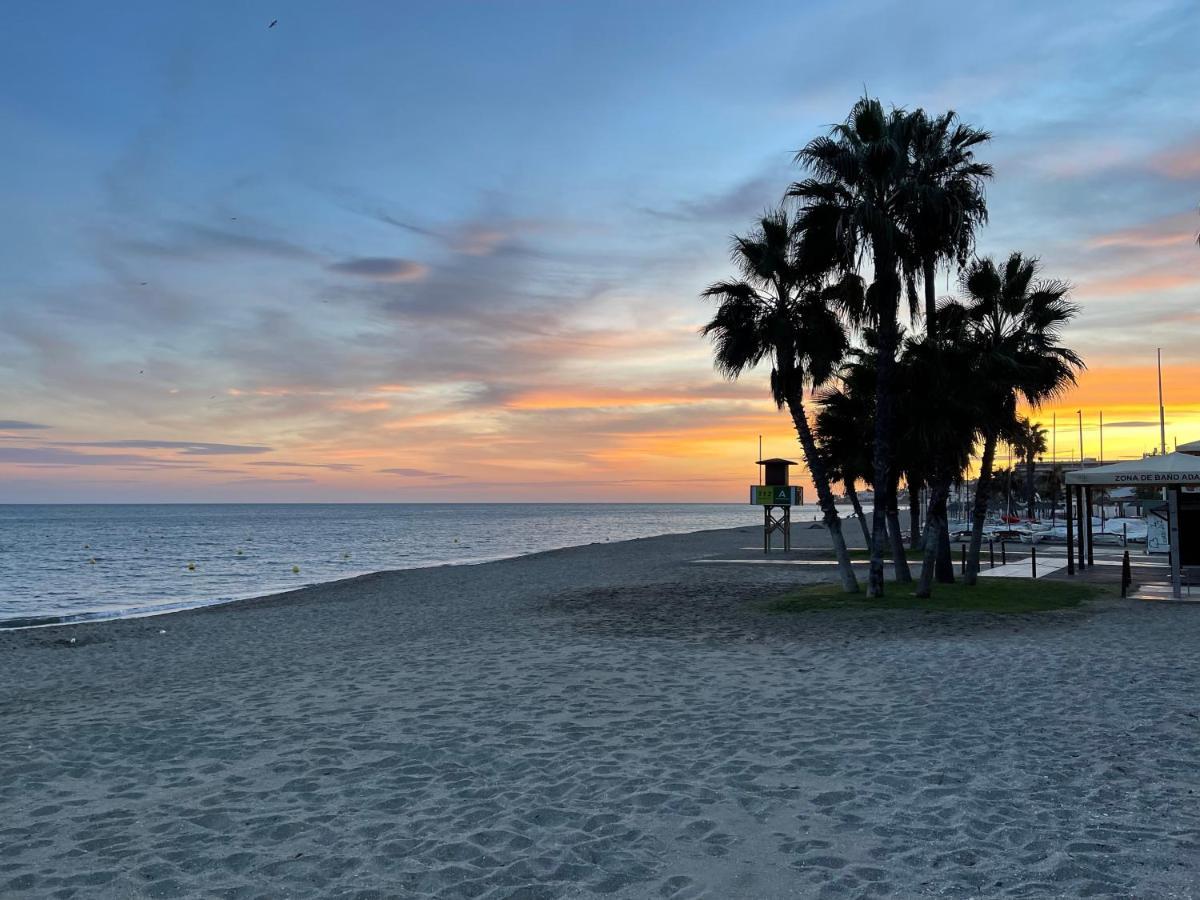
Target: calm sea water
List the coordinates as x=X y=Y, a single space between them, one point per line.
x=101 y=561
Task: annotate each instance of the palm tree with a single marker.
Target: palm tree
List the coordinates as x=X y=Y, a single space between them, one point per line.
x=1014 y=321
x=943 y=433
x=1031 y=443
x=839 y=425
x=857 y=197
x=946 y=207
x=849 y=412
x=947 y=202
x=783 y=312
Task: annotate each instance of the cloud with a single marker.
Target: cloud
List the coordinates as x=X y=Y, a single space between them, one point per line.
x=1133 y=423
x=281 y=464
x=56 y=456
x=419 y=473
x=1181 y=162
x=382 y=268
x=18 y=425
x=187 y=448
x=743 y=200
x=1170 y=231
x=194 y=242
x=1137 y=283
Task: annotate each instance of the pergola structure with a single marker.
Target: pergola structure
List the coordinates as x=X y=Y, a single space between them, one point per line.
x=1172 y=471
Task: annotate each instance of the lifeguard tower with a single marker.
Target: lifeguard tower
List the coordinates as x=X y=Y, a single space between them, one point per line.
x=777 y=498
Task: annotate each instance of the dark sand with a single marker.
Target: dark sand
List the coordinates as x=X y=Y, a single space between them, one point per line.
x=609 y=720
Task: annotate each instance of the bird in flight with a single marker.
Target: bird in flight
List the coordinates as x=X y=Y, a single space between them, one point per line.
x=274 y=22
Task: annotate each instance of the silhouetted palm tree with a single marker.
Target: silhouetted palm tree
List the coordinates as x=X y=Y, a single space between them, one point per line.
x=856 y=199
x=849 y=414
x=784 y=313
x=1013 y=321
x=839 y=425
x=947 y=203
x=1031 y=443
x=943 y=432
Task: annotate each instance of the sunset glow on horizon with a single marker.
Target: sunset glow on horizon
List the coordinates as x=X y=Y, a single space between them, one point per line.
x=443 y=252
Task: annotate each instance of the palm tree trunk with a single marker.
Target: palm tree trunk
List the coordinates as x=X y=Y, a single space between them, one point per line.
x=914 y=512
x=1029 y=473
x=935 y=524
x=816 y=468
x=888 y=298
x=928 y=275
x=945 y=561
x=899 y=557
x=982 y=491
x=858 y=514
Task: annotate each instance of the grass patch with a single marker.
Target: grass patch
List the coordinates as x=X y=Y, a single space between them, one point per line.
x=990 y=595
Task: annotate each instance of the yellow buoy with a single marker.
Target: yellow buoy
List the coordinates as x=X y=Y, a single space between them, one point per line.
x=191 y=567
x=92 y=560
x=295 y=570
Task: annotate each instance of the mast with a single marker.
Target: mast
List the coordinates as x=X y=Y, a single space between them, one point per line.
x=1162 y=416
x=1079 y=412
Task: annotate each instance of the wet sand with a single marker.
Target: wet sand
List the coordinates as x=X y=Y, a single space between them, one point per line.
x=611 y=720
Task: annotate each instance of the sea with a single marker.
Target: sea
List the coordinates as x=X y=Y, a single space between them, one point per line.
x=62 y=563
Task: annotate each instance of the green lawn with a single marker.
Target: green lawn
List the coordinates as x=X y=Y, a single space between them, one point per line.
x=990 y=595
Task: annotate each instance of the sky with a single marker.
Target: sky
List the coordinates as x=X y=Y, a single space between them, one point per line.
x=453 y=251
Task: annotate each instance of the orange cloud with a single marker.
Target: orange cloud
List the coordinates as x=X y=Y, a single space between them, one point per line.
x=1181 y=162
x=1173 y=231
x=1139 y=283
x=585 y=398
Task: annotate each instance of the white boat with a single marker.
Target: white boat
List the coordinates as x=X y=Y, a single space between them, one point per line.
x=1126 y=529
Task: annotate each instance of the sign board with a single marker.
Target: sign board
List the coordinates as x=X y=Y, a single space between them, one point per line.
x=776 y=495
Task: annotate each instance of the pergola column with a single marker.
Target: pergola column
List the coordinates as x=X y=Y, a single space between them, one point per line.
x=1173 y=536
x=1087 y=493
x=1070 y=531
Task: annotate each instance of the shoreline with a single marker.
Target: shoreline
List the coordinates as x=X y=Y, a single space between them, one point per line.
x=172 y=608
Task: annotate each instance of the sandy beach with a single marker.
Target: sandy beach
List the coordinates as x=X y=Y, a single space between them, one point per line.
x=611 y=720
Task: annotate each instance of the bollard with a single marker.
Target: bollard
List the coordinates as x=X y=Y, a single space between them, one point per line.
x=1003 y=553
x=1033 y=559
x=1125 y=535
x=964 y=558
x=991 y=555
x=1126 y=575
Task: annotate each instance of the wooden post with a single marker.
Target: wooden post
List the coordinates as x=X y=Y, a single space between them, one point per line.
x=1071 y=535
x=1126 y=575
x=1082 y=561
x=991 y=554
x=1033 y=559
x=1003 y=553
x=1173 y=535
x=1087 y=493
